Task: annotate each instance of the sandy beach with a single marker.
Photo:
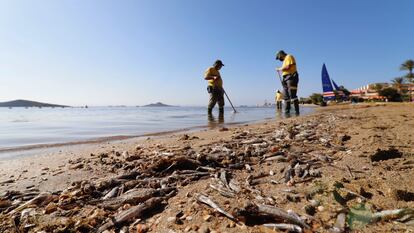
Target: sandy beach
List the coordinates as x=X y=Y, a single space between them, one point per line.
x=320 y=167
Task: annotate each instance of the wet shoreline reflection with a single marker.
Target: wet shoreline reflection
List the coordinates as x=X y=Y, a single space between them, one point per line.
x=213 y=122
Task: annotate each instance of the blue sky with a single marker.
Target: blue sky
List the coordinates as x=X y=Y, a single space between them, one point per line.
x=104 y=52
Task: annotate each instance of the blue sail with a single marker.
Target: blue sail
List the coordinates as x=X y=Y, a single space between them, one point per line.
x=328 y=92
x=340 y=93
x=334 y=84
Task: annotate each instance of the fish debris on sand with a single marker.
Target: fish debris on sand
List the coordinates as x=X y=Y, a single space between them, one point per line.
x=339 y=169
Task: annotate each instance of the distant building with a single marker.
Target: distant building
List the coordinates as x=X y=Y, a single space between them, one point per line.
x=368 y=92
x=407 y=87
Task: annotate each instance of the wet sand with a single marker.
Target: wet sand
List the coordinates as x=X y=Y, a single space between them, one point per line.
x=339 y=140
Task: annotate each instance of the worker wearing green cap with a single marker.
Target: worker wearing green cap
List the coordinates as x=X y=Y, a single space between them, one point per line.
x=215 y=87
x=290 y=80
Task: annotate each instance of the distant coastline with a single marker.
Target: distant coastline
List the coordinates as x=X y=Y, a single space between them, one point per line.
x=28 y=104
x=158 y=104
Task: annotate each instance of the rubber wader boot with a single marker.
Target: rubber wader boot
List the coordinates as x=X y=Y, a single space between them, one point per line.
x=221 y=116
x=210 y=111
x=287 y=107
x=221 y=111
x=296 y=104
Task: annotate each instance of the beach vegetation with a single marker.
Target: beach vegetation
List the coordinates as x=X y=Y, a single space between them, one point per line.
x=397 y=83
x=316 y=98
x=408 y=66
x=378 y=87
x=391 y=94
x=405 y=97
x=305 y=100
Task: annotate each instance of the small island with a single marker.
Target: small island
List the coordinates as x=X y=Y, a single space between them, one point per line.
x=158 y=104
x=28 y=104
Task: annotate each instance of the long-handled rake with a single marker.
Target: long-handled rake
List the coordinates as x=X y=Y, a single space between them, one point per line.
x=230 y=101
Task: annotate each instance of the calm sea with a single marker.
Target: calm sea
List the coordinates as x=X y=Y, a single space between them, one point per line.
x=25 y=127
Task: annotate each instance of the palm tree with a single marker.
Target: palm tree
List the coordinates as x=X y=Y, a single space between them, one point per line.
x=397 y=83
x=408 y=65
x=378 y=87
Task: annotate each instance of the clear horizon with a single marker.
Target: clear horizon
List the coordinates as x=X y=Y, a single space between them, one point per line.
x=101 y=53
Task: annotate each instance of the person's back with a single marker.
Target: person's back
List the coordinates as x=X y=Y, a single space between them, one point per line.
x=279 y=98
x=289 y=62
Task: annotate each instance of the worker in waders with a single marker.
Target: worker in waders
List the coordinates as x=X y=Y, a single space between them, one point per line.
x=290 y=80
x=215 y=87
x=278 y=99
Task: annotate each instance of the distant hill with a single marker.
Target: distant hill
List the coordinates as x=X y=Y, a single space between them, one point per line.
x=158 y=104
x=28 y=103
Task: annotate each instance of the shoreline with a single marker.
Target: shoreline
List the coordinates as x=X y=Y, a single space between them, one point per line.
x=336 y=141
x=32 y=160
x=98 y=140
x=24 y=151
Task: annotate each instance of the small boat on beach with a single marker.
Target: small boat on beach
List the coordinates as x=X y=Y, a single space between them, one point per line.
x=338 y=90
x=329 y=87
x=328 y=91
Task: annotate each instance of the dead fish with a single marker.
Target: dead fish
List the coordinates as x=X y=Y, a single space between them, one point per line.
x=111 y=193
x=339 y=224
x=9 y=181
x=204 y=199
x=248 y=167
x=234 y=186
x=284 y=227
x=5 y=203
x=277 y=213
x=131 y=213
x=129 y=175
x=223 y=178
x=133 y=197
x=289 y=174
x=223 y=191
x=278 y=158
x=252 y=141
x=167 y=154
x=261 y=145
x=406 y=214
x=107 y=183
x=41 y=200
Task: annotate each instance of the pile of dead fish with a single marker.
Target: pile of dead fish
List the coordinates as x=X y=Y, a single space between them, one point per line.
x=151 y=176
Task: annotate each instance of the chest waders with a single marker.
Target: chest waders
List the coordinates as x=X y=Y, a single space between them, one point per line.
x=290 y=88
x=216 y=96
